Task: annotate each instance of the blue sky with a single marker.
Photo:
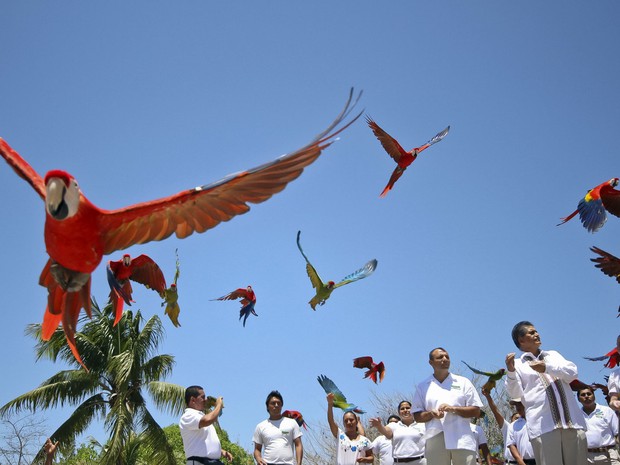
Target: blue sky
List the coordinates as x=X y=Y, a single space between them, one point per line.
x=139 y=101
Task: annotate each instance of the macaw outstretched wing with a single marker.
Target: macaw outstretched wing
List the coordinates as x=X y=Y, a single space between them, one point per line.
x=315 y=279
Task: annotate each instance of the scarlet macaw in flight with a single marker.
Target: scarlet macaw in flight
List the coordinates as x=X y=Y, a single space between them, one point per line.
x=494 y=377
x=78 y=233
x=592 y=207
x=324 y=290
x=612 y=357
x=340 y=400
x=398 y=154
x=372 y=367
x=141 y=269
x=171 y=297
x=248 y=300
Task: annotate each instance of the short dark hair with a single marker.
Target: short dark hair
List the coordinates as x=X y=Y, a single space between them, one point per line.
x=430 y=354
x=275 y=394
x=192 y=391
x=396 y=417
x=589 y=388
x=518 y=331
x=404 y=402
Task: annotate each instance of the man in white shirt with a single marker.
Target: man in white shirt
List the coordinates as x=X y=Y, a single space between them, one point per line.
x=277 y=440
x=541 y=379
x=200 y=441
x=602 y=429
x=382 y=446
x=518 y=439
x=445 y=403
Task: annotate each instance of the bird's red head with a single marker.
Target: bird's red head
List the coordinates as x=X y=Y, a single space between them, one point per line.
x=173 y=286
x=330 y=284
x=126 y=259
x=63 y=175
x=613 y=182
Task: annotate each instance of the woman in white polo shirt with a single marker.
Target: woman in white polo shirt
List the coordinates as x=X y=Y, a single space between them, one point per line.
x=407 y=436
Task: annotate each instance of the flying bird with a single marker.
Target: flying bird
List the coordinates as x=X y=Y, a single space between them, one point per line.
x=577 y=385
x=340 y=400
x=494 y=377
x=297 y=416
x=324 y=290
x=607 y=263
x=171 y=296
x=592 y=207
x=248 y=301
x=141 y=269
x=402 y=158
x=612 y=357
x=372 y=367
x=78 y=233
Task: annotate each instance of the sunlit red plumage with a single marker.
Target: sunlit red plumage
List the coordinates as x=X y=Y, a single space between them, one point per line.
x=78 y=233
x=373 y=369
x=592 y=206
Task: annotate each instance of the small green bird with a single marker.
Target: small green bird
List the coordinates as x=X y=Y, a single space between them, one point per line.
x=493 y=377
x=171 y=297
x=324 y=290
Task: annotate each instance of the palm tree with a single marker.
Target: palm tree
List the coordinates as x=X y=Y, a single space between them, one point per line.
x=122 y=367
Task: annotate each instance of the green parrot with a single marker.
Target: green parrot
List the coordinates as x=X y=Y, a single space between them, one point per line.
x=324 y=290
x=493 y=377
x=171 y=296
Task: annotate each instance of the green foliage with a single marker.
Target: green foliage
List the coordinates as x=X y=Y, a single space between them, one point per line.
x=122 y=368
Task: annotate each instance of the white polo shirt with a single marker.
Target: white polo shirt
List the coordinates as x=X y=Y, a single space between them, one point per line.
x=548 y=398
x=602 y=426
x=519 y=437
x=278 y=440
x=197 y=441
x=457 y=391
x=382 y=447
x=407 y=441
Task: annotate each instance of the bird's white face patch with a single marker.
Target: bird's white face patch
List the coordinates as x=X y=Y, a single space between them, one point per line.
x=62 y=201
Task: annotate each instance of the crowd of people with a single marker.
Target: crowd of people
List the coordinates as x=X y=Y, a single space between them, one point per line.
x=548 y=426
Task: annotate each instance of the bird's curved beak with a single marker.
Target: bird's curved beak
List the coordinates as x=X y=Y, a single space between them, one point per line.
x=55 y=198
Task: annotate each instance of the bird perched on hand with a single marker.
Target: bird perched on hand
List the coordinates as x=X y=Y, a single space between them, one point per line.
x=210 y=404
x=402 y=157
x=78 y=233
x=295 y=415
x=372 y=367
x=324 y=290
x=612 y=357
x=493 y=377
x=592 y=207
x=248 y=300
x=141 y=269
x=171 y=296
x=340 y=400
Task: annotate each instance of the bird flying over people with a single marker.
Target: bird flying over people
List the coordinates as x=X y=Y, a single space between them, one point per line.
x=248 y=301
x=171 y=296
x=591 y=208
x=324 y=290
x=612 y=357
x=402 y=157
x=494 y=377
x=141 y=269
x=373 y=369
x=340 y=400
x=297 y=416
x=78 y=233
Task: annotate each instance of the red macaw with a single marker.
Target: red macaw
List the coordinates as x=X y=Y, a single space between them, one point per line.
x=592 y=207
x=78 y=233
x=612 y=357
x=141 y=269
x=607 y=263
x=295 y=415
x=372 y=367
x=248 y=300
x=398 y=154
